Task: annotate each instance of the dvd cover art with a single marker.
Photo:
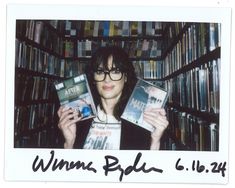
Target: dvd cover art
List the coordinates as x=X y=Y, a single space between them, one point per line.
x=75 y=93
x=143 y=96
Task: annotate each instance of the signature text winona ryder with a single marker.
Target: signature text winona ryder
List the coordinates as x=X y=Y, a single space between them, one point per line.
x=111 y=165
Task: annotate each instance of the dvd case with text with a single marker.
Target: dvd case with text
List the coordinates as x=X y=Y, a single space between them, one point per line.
x=145 y=95
x=75 y=93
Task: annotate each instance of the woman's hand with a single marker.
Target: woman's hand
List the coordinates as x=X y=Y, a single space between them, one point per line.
x=67 y=124
x=157 y=118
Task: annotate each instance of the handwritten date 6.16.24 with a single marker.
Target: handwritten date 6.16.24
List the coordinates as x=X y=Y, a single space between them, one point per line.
x=196 y=166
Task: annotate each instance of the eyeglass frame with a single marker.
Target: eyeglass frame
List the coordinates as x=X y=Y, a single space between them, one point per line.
x=108 y=72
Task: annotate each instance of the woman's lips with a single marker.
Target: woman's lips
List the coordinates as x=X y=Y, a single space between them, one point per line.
x=107 y=88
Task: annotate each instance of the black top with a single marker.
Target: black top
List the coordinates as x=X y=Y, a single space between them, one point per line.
x=133 y=137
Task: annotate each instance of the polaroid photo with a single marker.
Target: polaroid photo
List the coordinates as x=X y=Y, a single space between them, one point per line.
x=184 y=49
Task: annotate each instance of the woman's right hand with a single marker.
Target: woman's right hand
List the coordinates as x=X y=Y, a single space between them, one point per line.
x=68 y=118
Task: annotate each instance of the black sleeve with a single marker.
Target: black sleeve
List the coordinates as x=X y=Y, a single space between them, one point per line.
x=83 y=128
x=134 y=137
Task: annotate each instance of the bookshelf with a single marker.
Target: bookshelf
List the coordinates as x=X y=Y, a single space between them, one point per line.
x=37 y=65
x=141 y=40
x=192 y=73
x=182 y=57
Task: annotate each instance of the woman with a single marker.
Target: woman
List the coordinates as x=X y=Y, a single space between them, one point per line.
x=113 y=79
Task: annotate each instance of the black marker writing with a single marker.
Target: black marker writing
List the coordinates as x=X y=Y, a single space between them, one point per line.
x=112 y=165
x=60 y=164
x=197 y=166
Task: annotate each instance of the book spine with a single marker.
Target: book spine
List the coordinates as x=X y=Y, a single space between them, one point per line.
x=193 y=133
x=38 y=31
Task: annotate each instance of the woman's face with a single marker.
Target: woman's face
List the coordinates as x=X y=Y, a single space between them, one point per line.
x=109 y=89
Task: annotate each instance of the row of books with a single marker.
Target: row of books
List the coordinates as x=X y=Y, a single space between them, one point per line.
x=197 y=40
x=169 y=143
x=172 y=30
x=141 y=48
x=38 y=32
x=40 y=139
x=32 y=88
x=206 y=34
x=72 y=28
x=198 y=88
x=38 y=49
x=148 y=69
x=56 y=24
x=81 y=49
x=74 y=67
x=33 y=116
x=35 y=29
x=32 y=58
x=90 y=28
x=193 y=132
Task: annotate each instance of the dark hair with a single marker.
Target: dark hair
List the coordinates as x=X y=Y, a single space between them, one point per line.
x=121 y=61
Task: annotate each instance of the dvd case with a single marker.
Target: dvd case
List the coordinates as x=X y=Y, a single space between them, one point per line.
x=144 y=95
x=75 y=93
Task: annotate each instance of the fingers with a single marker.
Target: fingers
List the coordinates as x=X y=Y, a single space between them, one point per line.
x=156 y=110
x=68 y=117
x=158 y=121
x=67 y=122
x=156 y=117
x=59 y=112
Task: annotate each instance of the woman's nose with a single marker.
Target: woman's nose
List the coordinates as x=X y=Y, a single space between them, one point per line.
x=107 y=77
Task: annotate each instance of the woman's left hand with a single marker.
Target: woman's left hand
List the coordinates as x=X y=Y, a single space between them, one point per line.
x=157 y=118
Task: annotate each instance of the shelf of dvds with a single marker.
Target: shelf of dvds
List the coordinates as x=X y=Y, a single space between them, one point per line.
x=182 y=57
x=37 y=66
x=192 y=74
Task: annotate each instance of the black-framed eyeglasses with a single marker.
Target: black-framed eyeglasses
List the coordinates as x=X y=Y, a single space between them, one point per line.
x=115 y=74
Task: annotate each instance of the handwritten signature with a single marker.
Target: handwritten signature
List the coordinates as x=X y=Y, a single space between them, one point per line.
x=111 y=165
x=114 y=165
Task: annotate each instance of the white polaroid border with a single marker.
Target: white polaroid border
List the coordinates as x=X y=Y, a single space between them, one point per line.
x=153 y=166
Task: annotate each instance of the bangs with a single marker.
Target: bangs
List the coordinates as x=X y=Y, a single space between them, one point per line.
x=102 y=62
x=120 y=59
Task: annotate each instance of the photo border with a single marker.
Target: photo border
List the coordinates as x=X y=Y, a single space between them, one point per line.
x=22 y=171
